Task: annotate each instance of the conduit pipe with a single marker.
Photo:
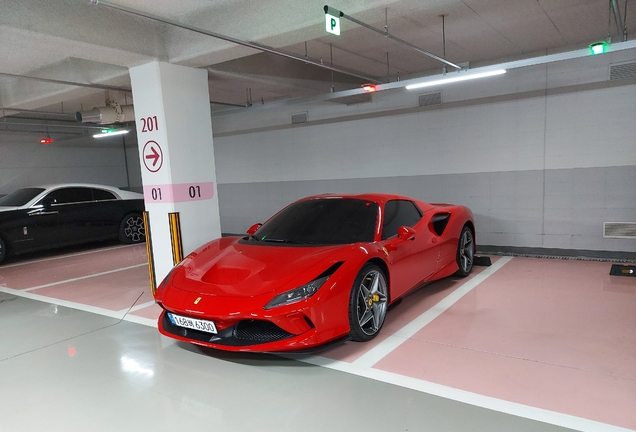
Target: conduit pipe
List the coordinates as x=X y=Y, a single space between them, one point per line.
x=253 y=45
x=113 y=113
x=70 y=83
x=385 y=33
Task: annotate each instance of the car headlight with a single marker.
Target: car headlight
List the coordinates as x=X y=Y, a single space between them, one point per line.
x=297 y=294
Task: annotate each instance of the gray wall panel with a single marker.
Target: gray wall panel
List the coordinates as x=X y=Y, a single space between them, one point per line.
x=510 y=207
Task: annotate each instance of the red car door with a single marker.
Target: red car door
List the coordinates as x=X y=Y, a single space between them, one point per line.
x=414 y=260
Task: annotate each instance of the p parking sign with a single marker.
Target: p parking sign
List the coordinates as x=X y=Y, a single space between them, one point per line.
x=333 y=24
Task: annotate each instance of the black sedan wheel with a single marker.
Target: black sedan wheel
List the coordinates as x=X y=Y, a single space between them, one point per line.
x=465 y=252
x=132 y=230
x=368 y=303
x=3 y=250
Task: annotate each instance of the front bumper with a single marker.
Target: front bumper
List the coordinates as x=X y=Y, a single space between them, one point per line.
x=256 y=335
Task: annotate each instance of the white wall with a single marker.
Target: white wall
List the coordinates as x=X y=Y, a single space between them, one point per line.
x=25 y=162
x=543 y=154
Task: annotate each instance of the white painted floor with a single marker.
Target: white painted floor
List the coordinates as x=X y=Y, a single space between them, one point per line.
x=67 y=370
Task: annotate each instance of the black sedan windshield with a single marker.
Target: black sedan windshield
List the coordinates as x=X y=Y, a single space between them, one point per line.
x=19 y=197
x=322 y=221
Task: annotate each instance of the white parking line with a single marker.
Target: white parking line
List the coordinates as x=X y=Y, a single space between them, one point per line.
x=385 y=347
x=82 y=307
x=65 y=256
x=500 y=405
x=139 y=306
x=84 y=277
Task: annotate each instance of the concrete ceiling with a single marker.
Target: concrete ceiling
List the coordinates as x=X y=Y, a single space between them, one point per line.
x=75 y=41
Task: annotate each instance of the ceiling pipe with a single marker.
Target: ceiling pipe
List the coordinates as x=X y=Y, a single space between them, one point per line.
x=69 y=83
x=253 y=45
x=385 y=33
x=617 y=19
x=21 y=110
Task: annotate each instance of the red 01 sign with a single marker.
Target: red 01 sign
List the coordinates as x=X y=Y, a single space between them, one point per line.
x=152 y=156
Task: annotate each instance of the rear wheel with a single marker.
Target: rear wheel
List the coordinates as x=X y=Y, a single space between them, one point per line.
x=131 y=229
x=368 y=303
x=465 y=252
x=3 y=250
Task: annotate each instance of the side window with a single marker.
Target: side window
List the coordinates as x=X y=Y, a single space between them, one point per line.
x=102 y=195
x=399 y=213
x=71 y=195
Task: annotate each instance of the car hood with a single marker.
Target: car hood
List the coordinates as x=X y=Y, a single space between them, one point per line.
x=227 y=267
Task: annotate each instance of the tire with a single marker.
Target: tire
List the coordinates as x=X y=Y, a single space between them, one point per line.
x=131 y=229
x=368 y=303
x=465 y=252
x=3 y=250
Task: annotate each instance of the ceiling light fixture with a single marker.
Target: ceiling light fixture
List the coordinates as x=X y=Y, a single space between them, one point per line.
x=460 y=76
x=110 y=132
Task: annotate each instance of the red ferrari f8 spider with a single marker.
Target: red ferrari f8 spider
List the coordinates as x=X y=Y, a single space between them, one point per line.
x=323 y=269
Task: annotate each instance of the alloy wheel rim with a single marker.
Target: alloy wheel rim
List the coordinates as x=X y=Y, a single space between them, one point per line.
x=134 y=229
x=372 y=302
x=466 y=251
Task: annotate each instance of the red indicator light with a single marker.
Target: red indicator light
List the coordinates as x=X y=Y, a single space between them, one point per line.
x=46 y=141
x=368 y=88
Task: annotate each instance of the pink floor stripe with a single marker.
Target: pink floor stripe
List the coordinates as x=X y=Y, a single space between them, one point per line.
x=115 y=291
x=40 y=273
x=411 y=307
x=553 y=334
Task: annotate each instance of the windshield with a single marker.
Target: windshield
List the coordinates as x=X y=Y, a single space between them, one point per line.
x=19 y=197
x=322 y=221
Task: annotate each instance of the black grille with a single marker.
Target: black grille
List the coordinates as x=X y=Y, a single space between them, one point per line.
x=259 y=331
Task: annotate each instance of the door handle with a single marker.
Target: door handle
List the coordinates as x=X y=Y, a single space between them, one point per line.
x=38 y=213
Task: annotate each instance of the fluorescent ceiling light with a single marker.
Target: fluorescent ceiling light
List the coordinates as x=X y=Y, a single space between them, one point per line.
x=105 y=134
x=462 y=76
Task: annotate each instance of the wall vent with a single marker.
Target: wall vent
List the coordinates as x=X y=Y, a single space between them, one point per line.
x=622 y=71
x=429 y=99
x=619 y=230
x=299 y=118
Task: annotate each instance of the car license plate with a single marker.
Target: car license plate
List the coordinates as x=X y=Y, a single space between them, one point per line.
x=193 y=323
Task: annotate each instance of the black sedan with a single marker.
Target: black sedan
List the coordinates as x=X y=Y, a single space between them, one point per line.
x=53 y=216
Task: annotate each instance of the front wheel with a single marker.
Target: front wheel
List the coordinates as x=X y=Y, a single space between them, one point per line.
x=131 y=229
x=368 y=303
x=465 y=252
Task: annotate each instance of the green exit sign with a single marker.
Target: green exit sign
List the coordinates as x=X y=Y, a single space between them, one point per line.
x=333 y=24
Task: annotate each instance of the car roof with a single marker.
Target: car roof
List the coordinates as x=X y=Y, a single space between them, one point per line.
x=369 y=196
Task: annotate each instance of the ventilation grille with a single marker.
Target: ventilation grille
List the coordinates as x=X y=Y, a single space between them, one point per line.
x=429 y=99
x=299 y=118
x=259 y=331
x=622 y=71
x=619 y=230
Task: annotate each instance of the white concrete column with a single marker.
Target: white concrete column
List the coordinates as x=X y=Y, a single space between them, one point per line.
x=174 y=132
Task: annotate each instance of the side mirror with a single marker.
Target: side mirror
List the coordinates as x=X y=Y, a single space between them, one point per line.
x=254 y=228
x=406 y=233
x=47 y=202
